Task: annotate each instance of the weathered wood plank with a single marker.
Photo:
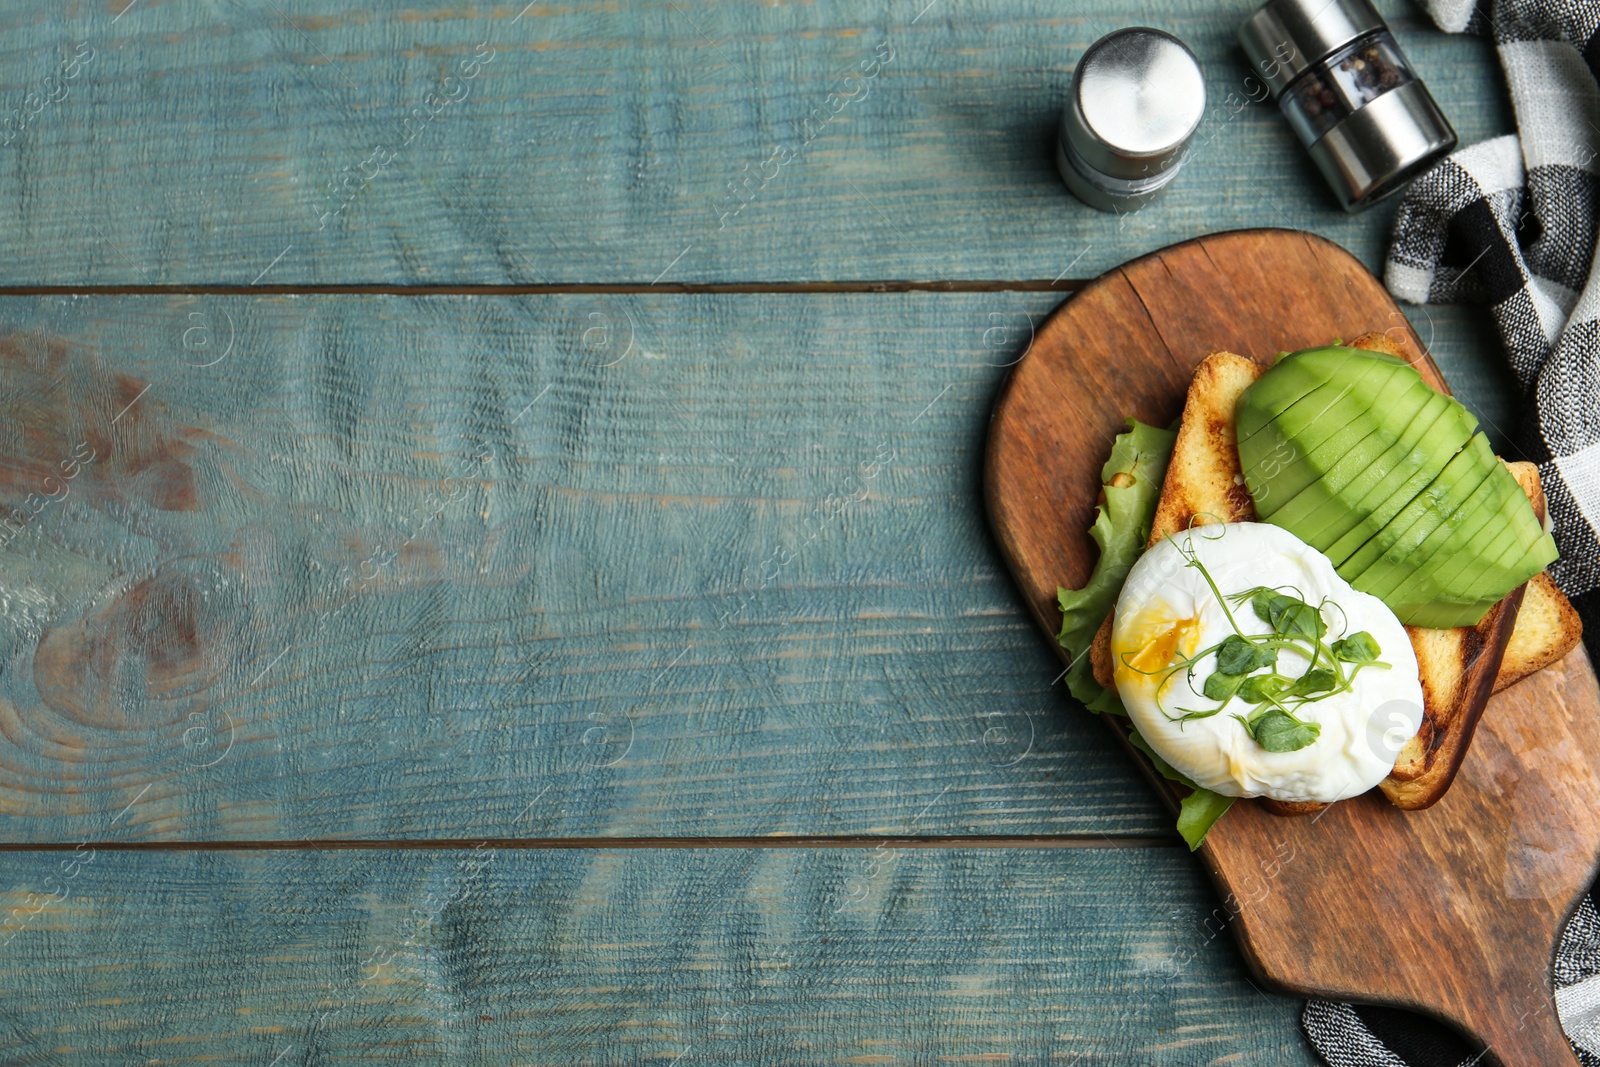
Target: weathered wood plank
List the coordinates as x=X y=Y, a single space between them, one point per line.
x=294 y=141
x=434 y=567
x=721 y=571
x=607 y=957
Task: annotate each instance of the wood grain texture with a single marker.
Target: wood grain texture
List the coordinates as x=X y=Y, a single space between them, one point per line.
x=721 y=569
x=400 y=568
x=590 y=629
x=1455 y=910
x=597 y=957
x=168 y=143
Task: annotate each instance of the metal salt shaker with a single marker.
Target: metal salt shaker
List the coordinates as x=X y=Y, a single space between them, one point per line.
x=1137 y=97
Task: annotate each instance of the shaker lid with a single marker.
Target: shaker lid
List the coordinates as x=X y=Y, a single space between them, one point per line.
x=1284 y=37
x=1137 y=96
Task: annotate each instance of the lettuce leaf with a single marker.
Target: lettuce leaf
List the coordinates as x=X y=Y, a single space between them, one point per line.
x=1131 y=479
x=1198 y=811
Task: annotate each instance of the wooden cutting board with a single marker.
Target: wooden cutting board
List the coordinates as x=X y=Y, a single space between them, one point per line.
x=1454 y=911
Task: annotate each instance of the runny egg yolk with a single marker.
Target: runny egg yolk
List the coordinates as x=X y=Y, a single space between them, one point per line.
x=1151 y=642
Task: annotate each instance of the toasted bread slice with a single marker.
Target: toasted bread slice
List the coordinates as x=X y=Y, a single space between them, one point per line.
x=1547 y=629
x=1456 y=682
x=1205 y=484
x=1548 y=626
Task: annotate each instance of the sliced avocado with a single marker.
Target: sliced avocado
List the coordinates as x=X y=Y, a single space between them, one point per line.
x=1293 y=377
x=1340 y=465
x=1341 y=514
x=1281 y=460
x=1443 y=613
x=1321 y=512
x=1485 y=568
x=1372 y=550
x=1311 y=467
x=1484 y=532
x=1440 y=499
x=1539 y=555
x=1466 y=532
x=1460 y=590
x=1443 y=441
x=1358 y=456
x=1289 y=379
x=1280 y=388
x=1440 y=503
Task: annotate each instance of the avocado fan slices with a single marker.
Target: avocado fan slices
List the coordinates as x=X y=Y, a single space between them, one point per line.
x=1355 y=454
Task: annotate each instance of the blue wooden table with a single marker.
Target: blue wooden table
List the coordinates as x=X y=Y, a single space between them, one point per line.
x=501 y=574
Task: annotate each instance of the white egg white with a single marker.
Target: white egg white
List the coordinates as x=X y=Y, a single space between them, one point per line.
x=1167 y=607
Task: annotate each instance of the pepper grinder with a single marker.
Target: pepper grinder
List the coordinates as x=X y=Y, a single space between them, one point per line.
x=1367 y=120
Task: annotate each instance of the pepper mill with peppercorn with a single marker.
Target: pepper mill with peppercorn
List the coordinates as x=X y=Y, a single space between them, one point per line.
x=1355 y=103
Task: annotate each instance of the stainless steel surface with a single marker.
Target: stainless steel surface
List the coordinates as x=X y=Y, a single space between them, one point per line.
x=1382 y=146
x=1285 y=37
x=1105 y=193
x=1137 y=97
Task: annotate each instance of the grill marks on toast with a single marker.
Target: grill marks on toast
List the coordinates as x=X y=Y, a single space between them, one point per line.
x=1457 y=679
x=1457 y=682
x=1205 y=484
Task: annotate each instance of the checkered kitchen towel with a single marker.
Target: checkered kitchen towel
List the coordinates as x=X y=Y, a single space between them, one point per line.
x=1511 y=223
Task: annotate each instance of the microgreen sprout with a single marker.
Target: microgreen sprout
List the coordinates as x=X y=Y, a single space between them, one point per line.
x=1246 y=664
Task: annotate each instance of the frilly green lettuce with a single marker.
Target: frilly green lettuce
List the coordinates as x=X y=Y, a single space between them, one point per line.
x=1132 y=479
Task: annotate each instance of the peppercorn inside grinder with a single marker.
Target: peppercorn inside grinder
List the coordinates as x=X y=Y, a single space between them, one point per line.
x=1367 y=120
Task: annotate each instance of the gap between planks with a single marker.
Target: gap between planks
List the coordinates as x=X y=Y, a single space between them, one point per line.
x=1025 y=285
x=1011 y=841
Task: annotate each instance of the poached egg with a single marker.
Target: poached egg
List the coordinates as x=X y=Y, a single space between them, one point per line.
x=1168 y=610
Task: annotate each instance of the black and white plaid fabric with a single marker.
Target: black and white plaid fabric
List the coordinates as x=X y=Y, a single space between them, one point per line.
x=1510 y=223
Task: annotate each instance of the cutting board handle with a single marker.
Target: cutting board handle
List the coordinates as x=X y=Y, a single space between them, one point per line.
x=1518 y=1031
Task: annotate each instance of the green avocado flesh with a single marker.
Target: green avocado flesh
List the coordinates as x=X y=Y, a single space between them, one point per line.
x=1401 y=537
x=1290 y=382
x=1300 y=443
x=1291 y=378
x=1406 y=479
x=1376 y=481
x=1439 y=516
x=1503 y=512
x=1443 y=614
x=1354 y=453
x=1318 y=508
x=1481 y=511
